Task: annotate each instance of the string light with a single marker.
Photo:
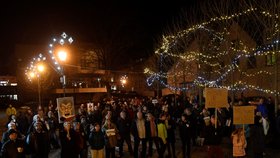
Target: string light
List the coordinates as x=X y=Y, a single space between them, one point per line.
x=192 y=56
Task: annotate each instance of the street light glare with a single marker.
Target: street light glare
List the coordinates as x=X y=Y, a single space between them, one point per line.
x=123 y=81
x=32 y=74
x=62 y=55
x=41 y=68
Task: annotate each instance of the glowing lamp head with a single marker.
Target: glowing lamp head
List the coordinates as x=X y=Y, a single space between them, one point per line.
x=32 y=74
x=40 y=68
x=62 y=55
x=123 y=81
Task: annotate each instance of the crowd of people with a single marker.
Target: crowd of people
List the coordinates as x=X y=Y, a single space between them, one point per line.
x=147 y=128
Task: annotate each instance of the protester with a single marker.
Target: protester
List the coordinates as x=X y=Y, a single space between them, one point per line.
x=213 y=138
x=124 y=125
x=162 y=134
x=53 y=125
x=138 y=130
x=68 y=142
x=257 y=138
x=239 y=142
x=38 y=142
x=11 y=111
x=96 y=141
x=185 y=135
x=5 y=136
x=14 y=147
x=111 y=137
x=152 y=135
x=171 y=127
x=81 y=140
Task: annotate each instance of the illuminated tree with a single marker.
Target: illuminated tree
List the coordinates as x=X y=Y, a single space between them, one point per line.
x=225 y=35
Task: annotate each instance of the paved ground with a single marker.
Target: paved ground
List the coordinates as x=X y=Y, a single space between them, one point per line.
x=197 y=152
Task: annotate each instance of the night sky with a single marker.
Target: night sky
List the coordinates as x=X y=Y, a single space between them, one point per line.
x=140 y=22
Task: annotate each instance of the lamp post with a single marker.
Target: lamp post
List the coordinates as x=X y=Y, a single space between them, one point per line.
x=37 y=73
x=35 y=69
x=62 y=56
x=40 y=69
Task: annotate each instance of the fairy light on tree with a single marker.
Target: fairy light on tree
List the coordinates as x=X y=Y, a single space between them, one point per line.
x=216 y=55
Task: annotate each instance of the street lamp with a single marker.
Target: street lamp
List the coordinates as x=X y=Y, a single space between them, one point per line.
x=62 y=56
x=37 y=73
x=40 y=69
x=35 y=69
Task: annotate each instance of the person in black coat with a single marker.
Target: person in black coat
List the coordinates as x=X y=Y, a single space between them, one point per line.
x=5 y=136
x=38 y=142
x=96 y=141
x=123 y=125
x=81 y=140
x=68 y=142
x=213 y=138
x=171 y=127
x=53 y=126
x=151 y=134
x=185 y=135
x=257 y=137
x=13 y=148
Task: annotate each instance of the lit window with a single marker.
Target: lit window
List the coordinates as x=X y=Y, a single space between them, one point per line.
x=15 y=97
x=270 y=59
x=13 y=84
x=3 y=83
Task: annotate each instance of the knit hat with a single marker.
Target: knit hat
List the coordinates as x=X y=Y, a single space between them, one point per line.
x=11 y=131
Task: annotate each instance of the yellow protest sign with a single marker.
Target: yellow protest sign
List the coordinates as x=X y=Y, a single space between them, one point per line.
x=216 y=97
x=243 y=114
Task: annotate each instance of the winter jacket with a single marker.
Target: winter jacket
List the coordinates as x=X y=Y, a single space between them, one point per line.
x=185 y=130
x=213 y=136
x=38 y=144
x=239 y=145
x=162 y=131
x=124 y=127
x=97 y=140
x=10 y=149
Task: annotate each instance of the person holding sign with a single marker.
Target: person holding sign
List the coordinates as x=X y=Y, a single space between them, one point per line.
x=111 y=139
x=213 y=139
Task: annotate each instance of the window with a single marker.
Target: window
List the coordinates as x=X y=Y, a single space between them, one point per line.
x=10 y=97
x=251 y=62
x=270 y=59
x=4 y=83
